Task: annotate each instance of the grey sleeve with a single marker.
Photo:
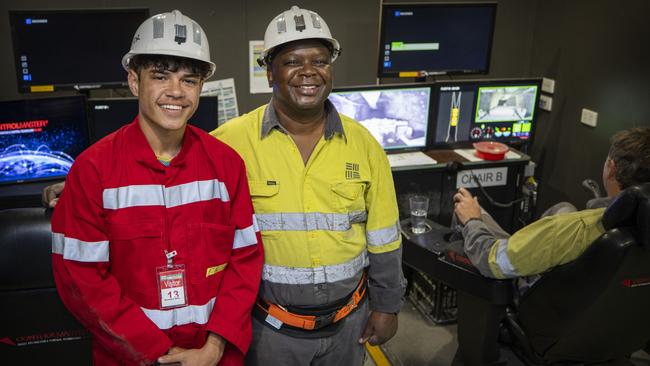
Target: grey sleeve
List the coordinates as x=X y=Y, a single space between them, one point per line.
x=599 y=202
x=478 y=241
x=386 y=282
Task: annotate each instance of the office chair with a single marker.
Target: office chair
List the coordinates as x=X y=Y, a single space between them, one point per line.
x=595 y=310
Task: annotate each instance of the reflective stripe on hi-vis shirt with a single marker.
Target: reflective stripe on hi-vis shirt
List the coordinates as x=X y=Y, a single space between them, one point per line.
x=307 y=221
x=165 y=319
x=256 y=227
x=383 y=236
x=316 y=275
x=158 y=195
x=79 y=250
x=502 y=260
x=245 y=237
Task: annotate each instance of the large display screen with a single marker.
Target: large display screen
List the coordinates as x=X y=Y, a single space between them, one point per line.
x=40 y=138
x=436 y=38
x=107 y=115
x=497 y=110
x=72 y=49
x=397 y=116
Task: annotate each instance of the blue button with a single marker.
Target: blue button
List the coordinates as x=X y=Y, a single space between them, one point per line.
x=387 y=63
x=397 y=13
x=28 y=21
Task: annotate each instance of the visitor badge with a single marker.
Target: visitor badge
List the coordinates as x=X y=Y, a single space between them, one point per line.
x=171 y=284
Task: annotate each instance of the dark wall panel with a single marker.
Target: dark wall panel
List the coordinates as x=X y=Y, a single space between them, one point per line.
x=597 y=51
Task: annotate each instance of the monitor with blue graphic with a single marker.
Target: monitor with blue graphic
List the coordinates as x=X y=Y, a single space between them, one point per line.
x=40 y=138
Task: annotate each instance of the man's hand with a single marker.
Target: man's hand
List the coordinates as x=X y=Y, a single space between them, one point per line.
x=380 y=328
x=209 y=355
x=51 y=194
x=175 y=350
x=466 y=207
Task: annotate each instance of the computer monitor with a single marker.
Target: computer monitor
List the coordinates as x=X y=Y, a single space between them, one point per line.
x=72 y=49
x=396 y=115
x=40 y=138
x=109 y=114
x=495 y=110
x=435 y=39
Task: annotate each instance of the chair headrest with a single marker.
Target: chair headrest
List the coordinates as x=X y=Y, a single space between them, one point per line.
x=631 y=208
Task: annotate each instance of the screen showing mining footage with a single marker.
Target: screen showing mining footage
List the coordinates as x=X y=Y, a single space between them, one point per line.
x=397 y=118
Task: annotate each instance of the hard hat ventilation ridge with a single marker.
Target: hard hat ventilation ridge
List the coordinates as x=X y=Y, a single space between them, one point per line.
x=315 y=21
x=282 y=25
x=196 y=30
x=158 y=27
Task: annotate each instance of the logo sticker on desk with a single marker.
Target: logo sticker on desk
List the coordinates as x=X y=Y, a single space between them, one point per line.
x=492 y=177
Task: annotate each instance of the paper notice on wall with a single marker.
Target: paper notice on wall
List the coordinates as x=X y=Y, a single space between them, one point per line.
x=227 y=97
x=259 y=83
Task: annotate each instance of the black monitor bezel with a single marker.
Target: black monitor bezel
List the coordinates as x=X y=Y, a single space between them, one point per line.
x=71 y=86
x=371 y=87
x=84 y=101
x=92 y=102
x=382 y=35
x=435 y=94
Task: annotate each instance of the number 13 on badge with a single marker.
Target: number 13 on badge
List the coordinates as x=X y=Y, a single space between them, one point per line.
x=171 y=283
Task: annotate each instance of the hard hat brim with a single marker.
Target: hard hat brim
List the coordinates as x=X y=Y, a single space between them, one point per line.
x=127 y=58
x=336 y=48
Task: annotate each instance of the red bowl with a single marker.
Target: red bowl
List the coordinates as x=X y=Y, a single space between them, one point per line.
x=490 y=150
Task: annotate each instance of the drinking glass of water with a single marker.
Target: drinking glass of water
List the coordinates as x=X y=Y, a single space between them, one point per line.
x=419 y=206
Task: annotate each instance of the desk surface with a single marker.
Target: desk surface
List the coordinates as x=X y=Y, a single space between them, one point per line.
x=442 y=157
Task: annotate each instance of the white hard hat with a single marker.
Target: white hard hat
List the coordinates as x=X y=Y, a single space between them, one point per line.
x=172 y=34
x=295 y=24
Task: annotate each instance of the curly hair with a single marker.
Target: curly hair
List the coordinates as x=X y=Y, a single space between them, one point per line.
x=630 y=151
x=169 y=63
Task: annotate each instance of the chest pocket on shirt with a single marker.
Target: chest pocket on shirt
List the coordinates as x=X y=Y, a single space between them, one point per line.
x=210 y=246
x=136 y=249
x=349 y=196
x=263 y=194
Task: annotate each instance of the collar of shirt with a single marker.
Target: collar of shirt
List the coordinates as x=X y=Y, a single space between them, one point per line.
x=139 y=147
x=333 y=122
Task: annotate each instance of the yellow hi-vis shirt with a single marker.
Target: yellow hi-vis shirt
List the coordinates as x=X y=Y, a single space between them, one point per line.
x=546 y=243
x=322 y=222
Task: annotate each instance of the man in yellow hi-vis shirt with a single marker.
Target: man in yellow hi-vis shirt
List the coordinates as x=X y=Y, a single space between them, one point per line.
x=325 y=204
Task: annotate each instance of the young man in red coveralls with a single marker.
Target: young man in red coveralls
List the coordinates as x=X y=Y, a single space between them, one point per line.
x=155 y=246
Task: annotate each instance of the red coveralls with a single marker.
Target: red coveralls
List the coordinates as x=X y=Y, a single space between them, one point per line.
x=121 y=210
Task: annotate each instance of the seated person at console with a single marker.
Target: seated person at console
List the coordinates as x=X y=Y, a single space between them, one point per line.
x=552 y=240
